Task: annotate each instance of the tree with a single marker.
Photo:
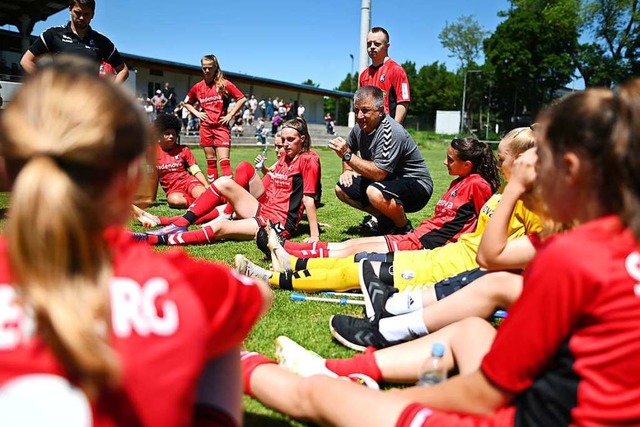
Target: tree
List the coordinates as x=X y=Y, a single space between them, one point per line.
x=531 y=55
x=310 y=82
x=432 y=88
x=463 y=39
x=612 y=56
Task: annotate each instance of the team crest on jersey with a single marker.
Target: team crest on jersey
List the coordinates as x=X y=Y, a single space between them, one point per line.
x=91 y=43
x=454 y=193
x=177 y=156
x=383 y=77
x=408 y=274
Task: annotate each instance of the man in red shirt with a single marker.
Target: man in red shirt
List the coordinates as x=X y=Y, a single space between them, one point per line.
x=386 y=74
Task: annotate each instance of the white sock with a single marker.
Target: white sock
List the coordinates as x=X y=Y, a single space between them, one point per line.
x=403 y=327
x=404 y=302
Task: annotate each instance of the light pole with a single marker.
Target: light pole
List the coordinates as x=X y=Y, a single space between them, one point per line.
x=464 y=97
x=351 y=82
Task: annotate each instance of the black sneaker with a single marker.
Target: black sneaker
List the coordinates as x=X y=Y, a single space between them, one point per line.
x=370 y=224
x=407 y=228
x=375 y=293
x=357 y=333
x=385 y=226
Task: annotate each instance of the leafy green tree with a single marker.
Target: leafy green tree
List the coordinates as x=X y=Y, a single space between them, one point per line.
x=531 y=55
x=463 y=39
x=310 y=82
x=612 y=56
x=432 y=88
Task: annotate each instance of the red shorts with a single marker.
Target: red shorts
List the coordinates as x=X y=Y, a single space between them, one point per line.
x=218 y=136
x=184 y=186
x=406 y=242
x=417 y=415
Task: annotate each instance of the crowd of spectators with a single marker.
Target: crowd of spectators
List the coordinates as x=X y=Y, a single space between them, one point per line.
x=254 y=119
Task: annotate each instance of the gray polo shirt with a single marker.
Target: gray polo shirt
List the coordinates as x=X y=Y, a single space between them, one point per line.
x=393 y=150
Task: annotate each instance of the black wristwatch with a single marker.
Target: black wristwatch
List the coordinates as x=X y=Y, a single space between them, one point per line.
x=347 y=156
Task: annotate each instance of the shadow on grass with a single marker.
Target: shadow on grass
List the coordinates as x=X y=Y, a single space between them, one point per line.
x=261 y=420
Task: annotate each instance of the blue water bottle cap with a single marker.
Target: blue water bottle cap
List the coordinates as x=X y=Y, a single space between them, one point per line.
x=437 y=350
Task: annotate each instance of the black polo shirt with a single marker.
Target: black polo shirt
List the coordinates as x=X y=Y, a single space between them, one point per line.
x=94 y=46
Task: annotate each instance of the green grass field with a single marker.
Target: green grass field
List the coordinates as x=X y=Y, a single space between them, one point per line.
x=304 y=322
x=307 y=322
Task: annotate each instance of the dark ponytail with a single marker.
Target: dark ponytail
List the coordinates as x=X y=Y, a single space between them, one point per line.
x=482 y=157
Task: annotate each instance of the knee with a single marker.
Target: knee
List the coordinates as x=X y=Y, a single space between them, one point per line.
x=340 y=194
x=374 y=195
x=176 y=201
x=224 y=182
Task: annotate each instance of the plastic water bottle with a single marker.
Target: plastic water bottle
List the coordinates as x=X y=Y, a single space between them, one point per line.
x=263 y=157
x=433 y=369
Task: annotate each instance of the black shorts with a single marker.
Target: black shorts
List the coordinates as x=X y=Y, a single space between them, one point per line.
x=408 y=192
x=452 y=284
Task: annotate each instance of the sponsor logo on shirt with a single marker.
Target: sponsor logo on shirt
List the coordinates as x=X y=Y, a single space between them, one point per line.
x=66 y=39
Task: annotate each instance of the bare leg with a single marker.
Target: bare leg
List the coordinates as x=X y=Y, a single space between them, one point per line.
x=480 y=298
x=324 y=399
x=353 y=246
x=389 y=208
x=467 y=341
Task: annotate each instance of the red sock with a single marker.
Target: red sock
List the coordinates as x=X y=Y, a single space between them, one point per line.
x=244 y=173
x=212 y=169
x=249 y=361
x=193 y=237
x=207 y=201
x=307 y=250
x=213 y=214
x=225 y=166
x=166 y=220
x=364 y=363
x=228 y=209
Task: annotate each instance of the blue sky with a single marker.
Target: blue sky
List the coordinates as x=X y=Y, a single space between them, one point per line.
x=287 y=40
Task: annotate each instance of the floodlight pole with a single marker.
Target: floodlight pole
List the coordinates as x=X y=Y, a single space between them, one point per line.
x=351 y=76
x=464 y=98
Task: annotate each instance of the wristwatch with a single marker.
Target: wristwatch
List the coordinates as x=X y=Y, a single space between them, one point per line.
x=347 y=156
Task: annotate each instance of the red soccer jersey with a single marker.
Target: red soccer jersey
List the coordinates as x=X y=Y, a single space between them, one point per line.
x=290 y=180
x=456 y=212
x=392 y=79
x=169 y=314
x=211 y=101
x=570 y=348
x=173 y=166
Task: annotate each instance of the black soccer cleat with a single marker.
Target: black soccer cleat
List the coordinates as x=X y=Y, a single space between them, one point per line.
x=375 y=292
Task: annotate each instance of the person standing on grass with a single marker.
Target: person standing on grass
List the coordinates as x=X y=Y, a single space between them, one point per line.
x=386 y=74
x=77 y=38
x=213 y=94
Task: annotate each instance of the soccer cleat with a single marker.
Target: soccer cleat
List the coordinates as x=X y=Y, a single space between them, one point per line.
x=143 y=237
x=145 y=218
x=297 y=359
x=357 y=333
x=242 y=265
x=168 y=229
x=279 y=256
x=220 y=218
x=374 y=291
x=262 y=239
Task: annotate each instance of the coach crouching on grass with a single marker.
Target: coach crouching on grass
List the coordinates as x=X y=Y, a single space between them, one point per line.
x=384 y=173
